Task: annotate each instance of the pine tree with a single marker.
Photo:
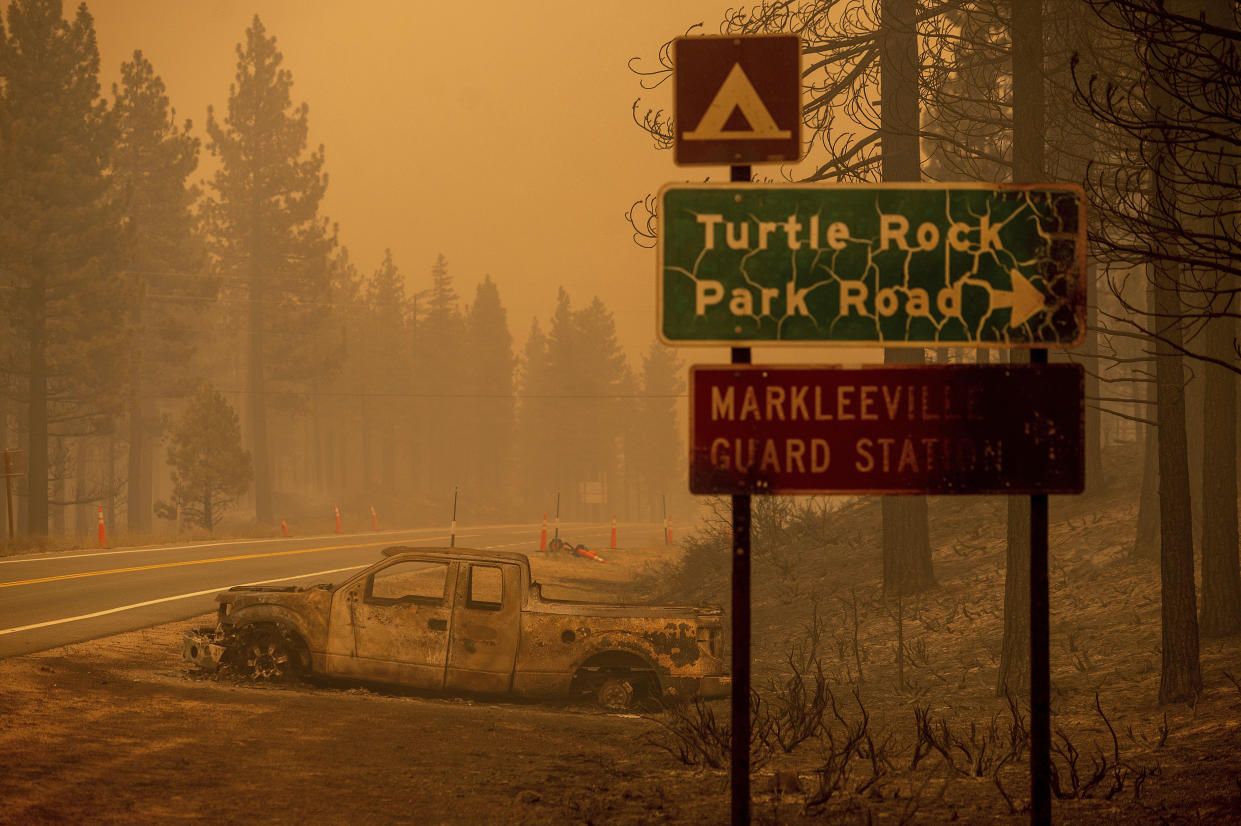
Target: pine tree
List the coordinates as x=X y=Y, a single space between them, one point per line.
x=62 y=298
x=536 y=435
x=1168 y=112
x=489 y=367
x=597 y=374
x=161 y=258
x=658 y=452
x=389 y=370
x=335 y=412
x=210 y=469
x=267 y=234
x=439 y=336
x=560 y=440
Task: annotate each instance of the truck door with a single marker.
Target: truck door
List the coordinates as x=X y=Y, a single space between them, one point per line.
x=486 y=624
x=392 y=625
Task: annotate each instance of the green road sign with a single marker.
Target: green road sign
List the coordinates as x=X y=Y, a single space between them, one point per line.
x=885 y=265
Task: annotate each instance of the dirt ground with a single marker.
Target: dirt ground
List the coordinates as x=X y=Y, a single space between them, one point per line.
x=120 y=731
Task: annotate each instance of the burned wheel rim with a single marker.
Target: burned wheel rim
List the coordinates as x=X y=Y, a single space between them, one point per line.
x=615 y=693
x=267 y=655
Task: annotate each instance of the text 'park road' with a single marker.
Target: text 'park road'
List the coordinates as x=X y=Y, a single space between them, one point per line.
x=888 y=265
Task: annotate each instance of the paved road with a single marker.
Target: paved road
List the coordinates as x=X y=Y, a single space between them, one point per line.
x=48 y=600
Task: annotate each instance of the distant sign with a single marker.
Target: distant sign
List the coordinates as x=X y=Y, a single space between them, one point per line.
x=592 y=493
x=887 y=265
x=14 y=463
x=935 y=429
x=737 y=100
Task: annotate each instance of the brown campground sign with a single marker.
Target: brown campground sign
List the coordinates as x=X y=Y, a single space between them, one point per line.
x=935 y=429
x=737 y=100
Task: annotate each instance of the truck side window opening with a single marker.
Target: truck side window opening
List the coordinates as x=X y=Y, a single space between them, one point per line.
x=486 y=587
x=421 y=582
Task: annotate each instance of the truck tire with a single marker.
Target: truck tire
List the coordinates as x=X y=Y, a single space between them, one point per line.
x=616 y=693
x=265 y=653
x=624 y=691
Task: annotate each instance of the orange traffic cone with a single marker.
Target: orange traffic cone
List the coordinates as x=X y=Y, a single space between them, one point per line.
x=103 y=539
x=613 y=543
x=374 y=519
x=337 y=509
x=543 y=535
x=589 y=554
x=284 y=528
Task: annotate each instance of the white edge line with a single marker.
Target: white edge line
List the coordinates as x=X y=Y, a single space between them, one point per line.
x=55 y=556
x=37 y=625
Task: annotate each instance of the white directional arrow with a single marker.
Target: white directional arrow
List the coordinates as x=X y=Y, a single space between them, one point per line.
x=1024 y=300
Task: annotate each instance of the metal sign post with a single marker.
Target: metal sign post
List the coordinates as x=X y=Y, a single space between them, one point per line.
x=1040 y=664
x=452 y=541
x=739 y=743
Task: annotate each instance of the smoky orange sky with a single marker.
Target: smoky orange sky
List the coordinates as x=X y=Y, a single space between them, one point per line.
x=497 y=133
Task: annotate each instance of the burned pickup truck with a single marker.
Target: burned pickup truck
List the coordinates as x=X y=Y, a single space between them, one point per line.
x=465 y=621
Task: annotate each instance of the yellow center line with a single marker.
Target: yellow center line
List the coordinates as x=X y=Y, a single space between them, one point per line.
x=202 y=562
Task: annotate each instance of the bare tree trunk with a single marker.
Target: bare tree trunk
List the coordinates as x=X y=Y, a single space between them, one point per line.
x=109 y=499
x=1221 y=568
x=1028 y=166
x=1146 y=534
x=81 y=486
x=1181 y=675
x=1194 y=441
x=907 y=567
x=208 y=520
x=5 y=445
x=387 y=462
x=59 y=471
x=140 y=483
x=36 y=417
x=138 y=501
x=258 y=398
x=368 y=471
x=1094 y=415
x=1181 y=672
x=1014 y=676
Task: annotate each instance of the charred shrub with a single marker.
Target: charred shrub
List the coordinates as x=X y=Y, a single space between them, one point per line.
x=696 y=736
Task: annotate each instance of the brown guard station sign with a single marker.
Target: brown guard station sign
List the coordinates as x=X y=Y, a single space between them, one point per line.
x=935 y=429
x=737 y=99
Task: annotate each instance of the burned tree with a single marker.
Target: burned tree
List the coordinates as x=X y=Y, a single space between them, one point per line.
x=1168 y=199
x=161 y=255
x=266 y=232
x=61 y=305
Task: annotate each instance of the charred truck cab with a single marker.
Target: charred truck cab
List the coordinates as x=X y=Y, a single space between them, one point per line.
x=468 y=621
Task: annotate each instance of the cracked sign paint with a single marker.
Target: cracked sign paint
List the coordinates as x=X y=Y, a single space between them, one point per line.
x=887 y=265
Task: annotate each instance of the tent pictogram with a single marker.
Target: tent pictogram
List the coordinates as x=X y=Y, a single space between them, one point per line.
x=737 y=93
